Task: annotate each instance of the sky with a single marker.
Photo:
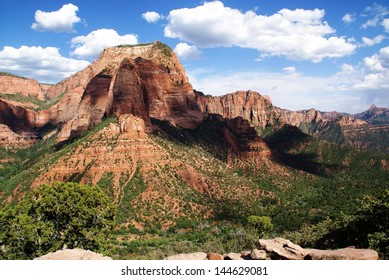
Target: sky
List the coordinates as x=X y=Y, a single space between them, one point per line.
x=328 y=55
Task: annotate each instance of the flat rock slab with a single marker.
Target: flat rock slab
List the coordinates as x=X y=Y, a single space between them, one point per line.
x=342 y=254
x=73 y=254
x=193 y=256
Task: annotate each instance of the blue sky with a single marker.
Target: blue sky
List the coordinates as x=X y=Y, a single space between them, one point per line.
x=329 y=55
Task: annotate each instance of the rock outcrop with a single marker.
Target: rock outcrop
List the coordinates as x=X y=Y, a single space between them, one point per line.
x=73 y=254
x=146 y=81
x=10 y=84
x=283 y=249
x=249 y=105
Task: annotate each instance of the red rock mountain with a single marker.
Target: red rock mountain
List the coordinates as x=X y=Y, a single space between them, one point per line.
x=148 y=81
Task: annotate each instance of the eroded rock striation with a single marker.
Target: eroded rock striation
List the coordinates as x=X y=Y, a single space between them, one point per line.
x=146 y=81
x=10 y=84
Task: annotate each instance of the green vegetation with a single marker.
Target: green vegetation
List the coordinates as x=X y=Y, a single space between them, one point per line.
x=367 y=227
x=22 y=98
x=11 y=75
x=260 y=224
x=166 y=50
x=24 y=165
x=55 y=216
x=202 y=237
x=307 y=190
x=41 y=104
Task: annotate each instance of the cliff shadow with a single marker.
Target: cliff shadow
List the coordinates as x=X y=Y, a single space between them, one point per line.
x=288 y=148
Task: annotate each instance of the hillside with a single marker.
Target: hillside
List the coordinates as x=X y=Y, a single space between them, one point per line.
x=184 y=170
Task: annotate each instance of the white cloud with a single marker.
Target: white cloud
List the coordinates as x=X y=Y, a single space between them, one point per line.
x=296 y=34
x=375 y=13
x=371 y=42
x=185 y=51
x=62 y=20
x=151 y=17
x=42 y=64
x=290 y=69
x=353 y=89
x=385 y=24
x=91 y=45
x=348 y=18
x=375 y=71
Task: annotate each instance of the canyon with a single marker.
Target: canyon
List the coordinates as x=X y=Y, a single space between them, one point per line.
x=172 y=158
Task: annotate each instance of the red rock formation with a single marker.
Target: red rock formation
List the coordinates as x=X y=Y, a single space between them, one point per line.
x=16 y=85
x=146 y=81
x=249 y=105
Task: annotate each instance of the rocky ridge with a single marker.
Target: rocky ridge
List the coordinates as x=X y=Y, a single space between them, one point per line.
x=10 y=84
x=149 y=82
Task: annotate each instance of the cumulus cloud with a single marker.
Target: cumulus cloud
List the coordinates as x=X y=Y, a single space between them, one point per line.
x=352 y=89
x=375 y=13
x=42 y=64
x=91 y=45
x=62 y=20
x=385 y=24
x=185 y=51
x=371 y=42
x=295 y=34
x=376 y=71
x=348 y=18
x=151 y=17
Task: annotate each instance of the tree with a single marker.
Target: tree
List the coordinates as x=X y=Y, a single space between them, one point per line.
x=55 y=216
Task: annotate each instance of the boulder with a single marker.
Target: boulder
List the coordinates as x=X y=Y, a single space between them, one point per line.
x=341 y=254
x=215 y=257
x=233 y=256
x=282 y=249
x=258 y=254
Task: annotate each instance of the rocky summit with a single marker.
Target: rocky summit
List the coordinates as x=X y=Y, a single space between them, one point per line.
x=186 y=170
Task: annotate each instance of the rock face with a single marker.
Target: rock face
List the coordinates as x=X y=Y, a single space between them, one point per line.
x=16 y=85
x=148 y=81
x=145 y=81
x=73 y=254
x=249 y=105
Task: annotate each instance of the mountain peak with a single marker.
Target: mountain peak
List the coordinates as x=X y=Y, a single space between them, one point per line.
x=372 y=107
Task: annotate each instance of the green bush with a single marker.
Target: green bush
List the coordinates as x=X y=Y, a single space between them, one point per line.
x=260 y=224
x=52 y=217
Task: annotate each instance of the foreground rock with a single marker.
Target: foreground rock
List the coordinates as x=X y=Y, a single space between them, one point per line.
x=194 y=256
x=280 y=248
x=342 y=254
x=283 y=249
x=73 y=254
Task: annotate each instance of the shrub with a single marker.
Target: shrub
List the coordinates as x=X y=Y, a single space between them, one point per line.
x=51 y=217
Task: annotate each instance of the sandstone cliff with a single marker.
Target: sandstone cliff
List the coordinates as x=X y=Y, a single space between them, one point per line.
x=10 y=84
x=147 y=81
